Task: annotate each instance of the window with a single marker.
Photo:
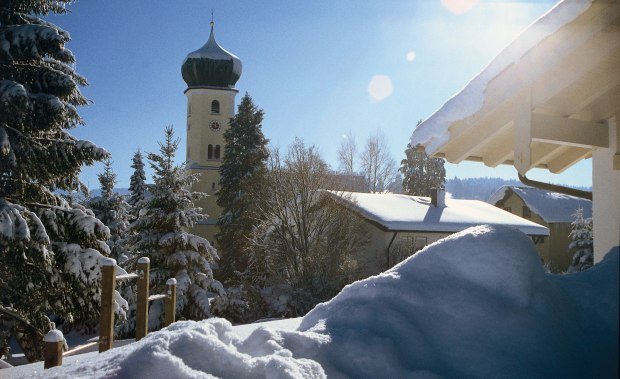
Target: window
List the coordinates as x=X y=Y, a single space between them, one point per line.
x=217 y=151
x=210 y=152
x=508 y=209
x=189 y=109
x=215 y=107
x=527 y=213
x=212 y=185
x=188 y=126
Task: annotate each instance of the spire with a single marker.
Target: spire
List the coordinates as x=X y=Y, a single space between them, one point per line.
x=211 y=65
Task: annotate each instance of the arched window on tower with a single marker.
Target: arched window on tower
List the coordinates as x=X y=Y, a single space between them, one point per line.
x=215 y=107
x=210 y=152
x=217 y=151
x=189 y=109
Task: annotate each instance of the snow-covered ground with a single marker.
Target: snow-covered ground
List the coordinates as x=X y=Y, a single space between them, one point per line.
x=476 y=304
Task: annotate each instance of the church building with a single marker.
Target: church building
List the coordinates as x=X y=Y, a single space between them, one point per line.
x=210 y=73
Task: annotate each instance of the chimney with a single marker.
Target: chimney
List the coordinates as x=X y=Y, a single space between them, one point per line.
x=438 y=197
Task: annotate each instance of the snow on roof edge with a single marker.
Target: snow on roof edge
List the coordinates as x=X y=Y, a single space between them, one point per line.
x=348 y=200
x=433 y=132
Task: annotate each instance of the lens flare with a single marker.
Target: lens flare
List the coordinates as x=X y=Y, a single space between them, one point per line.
x=459 y=6
x=380 y=87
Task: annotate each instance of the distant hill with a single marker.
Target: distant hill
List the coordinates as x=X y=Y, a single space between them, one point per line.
x=481 y=188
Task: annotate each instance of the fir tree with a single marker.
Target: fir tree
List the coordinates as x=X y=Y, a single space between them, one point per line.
x=161 y=235
x=241 y=181
x=113 y=211
x=50 y=249
x=421 y=173
x=137 y=185
x=581 y=245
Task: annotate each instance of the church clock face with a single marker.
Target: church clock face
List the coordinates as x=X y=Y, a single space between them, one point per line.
x=215 y=125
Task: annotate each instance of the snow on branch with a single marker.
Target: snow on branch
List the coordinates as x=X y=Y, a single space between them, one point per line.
x=17 y=223
x=99 y=152
x=28 y=42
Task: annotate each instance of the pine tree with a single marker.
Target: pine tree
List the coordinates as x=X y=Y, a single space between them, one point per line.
x=137 y=185
x=50 y=249
x=241 y=181
x=581 y=235
x=161 y=235
x=421 y=173
x=113 y=211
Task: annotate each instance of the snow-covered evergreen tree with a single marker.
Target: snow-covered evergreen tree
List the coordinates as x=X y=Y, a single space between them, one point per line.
x=161 y=234
x=421 y=173
x=113 y=211
x=581 y=245
x=137 y=184
x=50 y=249
x=241 y=180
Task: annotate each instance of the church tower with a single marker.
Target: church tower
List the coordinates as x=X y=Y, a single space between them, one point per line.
x=210 y=73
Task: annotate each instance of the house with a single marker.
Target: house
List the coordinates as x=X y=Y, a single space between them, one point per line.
x=551 y=209
x=548 y=100
x=399 y=225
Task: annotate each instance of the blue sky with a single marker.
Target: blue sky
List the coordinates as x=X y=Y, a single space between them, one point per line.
x=307 y=64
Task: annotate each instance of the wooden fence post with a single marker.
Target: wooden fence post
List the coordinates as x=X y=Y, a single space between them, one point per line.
x=142 y=307
x=106 y=323
x=54 y=342
x=170 y=303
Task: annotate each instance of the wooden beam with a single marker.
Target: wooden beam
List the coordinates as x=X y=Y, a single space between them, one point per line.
x=142 y=298
x=574 y=155
x=523 y=134
x=550 y=55
x=566 y=131
x=544 y=153
x=106 y=321
x=476 y=141
x=580 y=66
x=501 y=152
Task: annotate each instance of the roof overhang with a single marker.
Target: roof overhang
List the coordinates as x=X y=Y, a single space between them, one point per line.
x=544 y=101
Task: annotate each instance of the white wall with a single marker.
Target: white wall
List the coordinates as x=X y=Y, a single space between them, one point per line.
x=606 y=195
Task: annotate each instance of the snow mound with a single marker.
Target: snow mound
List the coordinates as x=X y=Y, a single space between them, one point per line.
x=189 y=349
x=475 y=304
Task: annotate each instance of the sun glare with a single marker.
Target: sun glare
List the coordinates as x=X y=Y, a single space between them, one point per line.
x=380 y=87
x=459 y=6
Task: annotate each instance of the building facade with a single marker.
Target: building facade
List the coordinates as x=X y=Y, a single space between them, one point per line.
x=211 y=74
x=551 y=209
x=400 y=225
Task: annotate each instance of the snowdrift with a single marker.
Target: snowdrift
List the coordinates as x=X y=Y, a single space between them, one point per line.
x=476 y=304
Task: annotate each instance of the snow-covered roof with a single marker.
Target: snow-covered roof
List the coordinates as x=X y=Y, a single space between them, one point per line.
x=551 y=206
x=398 y=212
x=542 y=101
x=477 y=304
x=433 y=132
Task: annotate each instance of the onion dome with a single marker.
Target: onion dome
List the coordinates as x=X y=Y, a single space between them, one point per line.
x=211 y=66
